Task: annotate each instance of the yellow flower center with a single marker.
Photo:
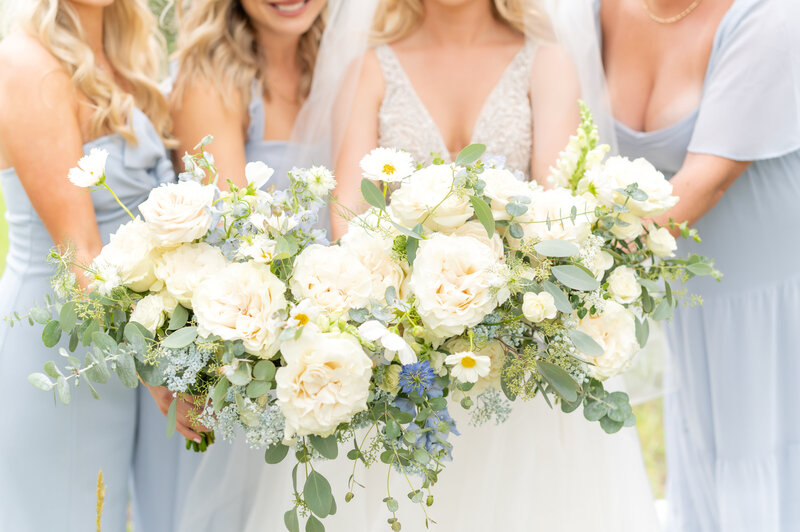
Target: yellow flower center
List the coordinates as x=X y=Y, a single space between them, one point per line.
x=468 y=362
x=388 y=169
x=302 y=319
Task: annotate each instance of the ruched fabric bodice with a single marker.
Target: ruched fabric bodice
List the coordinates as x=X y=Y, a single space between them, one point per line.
x=504 y=124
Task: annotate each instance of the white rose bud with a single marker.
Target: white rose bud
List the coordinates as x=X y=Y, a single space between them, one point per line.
x=630 y=231
x=661 y=242
x=150 y=310
x=538 y=307
x=623 y=285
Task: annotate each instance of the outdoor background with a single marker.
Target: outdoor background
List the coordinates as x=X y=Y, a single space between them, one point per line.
x=648 y=414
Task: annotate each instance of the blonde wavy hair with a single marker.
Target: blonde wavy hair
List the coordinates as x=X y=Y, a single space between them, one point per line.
x=133 y=47
x=397 y=19
x=217 y=42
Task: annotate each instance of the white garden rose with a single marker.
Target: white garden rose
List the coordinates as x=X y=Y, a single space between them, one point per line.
x=151 y=311
x=630 y=228
x=615 y=331
x=375 y=254
x=619 y=172
x=494 y=351
x=425 y=190
x=538 y=307
x=599 y=263
x=178 y=212
x=454 y=283
x=325 y=382
x=182 y=269
x=661 y=242
x=332 y=277
x=556 y=205
x=476 y=230
x=241 y=302
x=501 y=185
x=623 y=285
x=131 y=251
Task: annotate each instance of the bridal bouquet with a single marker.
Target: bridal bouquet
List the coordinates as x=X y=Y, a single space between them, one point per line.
x=462 y=287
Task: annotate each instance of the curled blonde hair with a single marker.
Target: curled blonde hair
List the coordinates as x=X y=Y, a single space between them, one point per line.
x=397 y=19
x=217 y=42
x=133 y=47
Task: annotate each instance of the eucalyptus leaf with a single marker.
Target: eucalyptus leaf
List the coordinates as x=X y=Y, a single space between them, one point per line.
x=179 y=318
x=642 y=331
x=595 y=410
x=276 y=453
x=560 y=380
x=392 y=429
x=484 y=214
x=317 y=494
x=470 y=154
x=152 y=374
x=180 y=338
x=516 y=231
x=699 y=268
x=41 y=381
x=126 y=370
x=610 y=426
x=257 y=389
x=291 y=521
x=327 y=447
x=412 y=245
x=372 y=194
x=172 y=418
x=241 y=376
x=663 y=310
x=651 y=285
x=556 y=248
x=422 y=456
x=41 y=315
x=585 y=343
x=51 y=369
x=559 y=297
x=264 y=370
x=314 y=525
x=64 y=391
x=406 y=231
x=68 y=316
x=91 y=328
x=104 y=342
x=574 y=277
x=219 y=392
x=51 y=333
x=516 y=209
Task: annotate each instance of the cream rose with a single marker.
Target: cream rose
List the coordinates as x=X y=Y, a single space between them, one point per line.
x=375 y=254
x=182 y=269
x=454 y=284
x=150 y=311
x=538 y=307
x=332 y=277
x=425 y=190
x=631 y=229
x=556 y=205
x=325 y=382
x=661 y=242
x=599 y=264
x=497 y=355
x=131 y=251
x=501 y=185
x=615 y=331
x=475 y=229
x=619 y=172
x=241 y=302
x=178 y=212
x=623 y=285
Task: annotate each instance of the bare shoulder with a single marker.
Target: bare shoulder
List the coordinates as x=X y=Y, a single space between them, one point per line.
x=30 y=73
x=371 y=71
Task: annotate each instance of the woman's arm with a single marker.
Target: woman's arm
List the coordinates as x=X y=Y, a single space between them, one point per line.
x=700 y=183
x=359 y=134
x=202 y=111
x=41 y=138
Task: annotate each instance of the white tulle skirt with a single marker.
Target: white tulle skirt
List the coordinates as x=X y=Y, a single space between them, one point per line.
x=541 y=470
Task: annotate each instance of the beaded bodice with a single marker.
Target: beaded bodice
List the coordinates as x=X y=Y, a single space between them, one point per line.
x=504 y=124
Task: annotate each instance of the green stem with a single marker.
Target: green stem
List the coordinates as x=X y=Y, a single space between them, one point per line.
x=118 y=200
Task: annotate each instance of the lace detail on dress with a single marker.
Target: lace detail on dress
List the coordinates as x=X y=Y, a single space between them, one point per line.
x=504 y=124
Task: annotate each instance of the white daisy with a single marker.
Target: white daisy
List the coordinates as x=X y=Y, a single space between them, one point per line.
x=387 y=164
x=466 y=366
x=91 y=169
x=319 y=180
x=302 y=313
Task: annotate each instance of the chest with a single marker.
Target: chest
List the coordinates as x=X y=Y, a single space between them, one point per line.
x=655 y=72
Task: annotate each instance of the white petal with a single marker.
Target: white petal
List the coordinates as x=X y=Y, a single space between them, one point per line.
x=372 y=330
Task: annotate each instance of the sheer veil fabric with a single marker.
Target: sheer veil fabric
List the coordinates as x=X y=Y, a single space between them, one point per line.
x=540 y=470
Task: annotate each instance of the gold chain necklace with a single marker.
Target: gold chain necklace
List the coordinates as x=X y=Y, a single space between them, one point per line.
x=669 y=20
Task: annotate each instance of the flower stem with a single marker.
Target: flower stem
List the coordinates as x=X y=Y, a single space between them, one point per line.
x=105 y=185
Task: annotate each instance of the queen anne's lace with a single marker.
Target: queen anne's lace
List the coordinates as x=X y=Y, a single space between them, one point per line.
x=504 y=124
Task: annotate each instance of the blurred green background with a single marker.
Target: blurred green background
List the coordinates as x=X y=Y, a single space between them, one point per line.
x=649 y=414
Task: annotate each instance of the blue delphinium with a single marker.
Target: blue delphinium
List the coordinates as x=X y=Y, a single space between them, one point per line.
x=417 y=378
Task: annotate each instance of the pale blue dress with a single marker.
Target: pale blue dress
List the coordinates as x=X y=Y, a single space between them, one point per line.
x=733 y=416
x=50 y=454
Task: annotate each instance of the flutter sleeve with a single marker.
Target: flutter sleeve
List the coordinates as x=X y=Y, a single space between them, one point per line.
x=750 y=109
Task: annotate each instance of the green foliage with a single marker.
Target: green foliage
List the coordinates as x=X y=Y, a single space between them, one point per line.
x=470 y=154
x=484 y=214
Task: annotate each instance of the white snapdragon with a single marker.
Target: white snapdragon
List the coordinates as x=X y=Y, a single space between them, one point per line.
x=257 y=174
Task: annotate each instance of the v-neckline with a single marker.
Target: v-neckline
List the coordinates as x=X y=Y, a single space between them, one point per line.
x=489 y=98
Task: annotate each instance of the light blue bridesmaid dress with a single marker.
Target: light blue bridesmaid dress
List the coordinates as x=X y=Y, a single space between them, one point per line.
x=733 y=416
x=50 y=454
